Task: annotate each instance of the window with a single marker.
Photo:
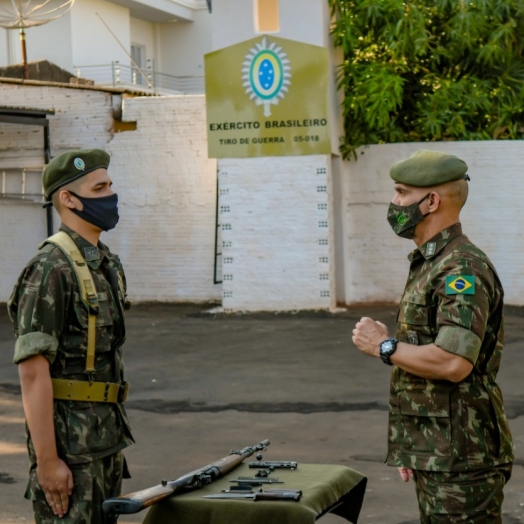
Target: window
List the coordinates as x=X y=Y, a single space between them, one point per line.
x=266 y=16
x=138 y=54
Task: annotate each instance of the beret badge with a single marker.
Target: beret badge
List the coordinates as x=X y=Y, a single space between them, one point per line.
x=79 y=164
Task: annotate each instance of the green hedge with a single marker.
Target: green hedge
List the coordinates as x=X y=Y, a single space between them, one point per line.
x=430 y=70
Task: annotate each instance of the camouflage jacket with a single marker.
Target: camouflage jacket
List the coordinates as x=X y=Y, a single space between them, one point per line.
x=50 y=319
x=453 y=298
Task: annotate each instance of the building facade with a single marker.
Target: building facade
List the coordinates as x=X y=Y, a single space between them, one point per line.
x=96 y=39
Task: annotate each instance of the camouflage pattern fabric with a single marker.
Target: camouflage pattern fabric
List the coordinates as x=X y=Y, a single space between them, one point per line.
x=437 y=425
x=50 y=319
x=94 y=482
x=471 y=497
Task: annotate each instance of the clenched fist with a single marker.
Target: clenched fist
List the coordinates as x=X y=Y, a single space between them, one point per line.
x=368 y=335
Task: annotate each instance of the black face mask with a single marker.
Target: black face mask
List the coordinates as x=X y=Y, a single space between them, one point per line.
x=404 y=219
x=102 y=212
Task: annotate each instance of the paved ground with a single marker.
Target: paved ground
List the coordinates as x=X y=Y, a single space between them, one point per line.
x=203 y=384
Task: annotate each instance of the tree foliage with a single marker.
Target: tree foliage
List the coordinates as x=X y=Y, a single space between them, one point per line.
x=426 y=70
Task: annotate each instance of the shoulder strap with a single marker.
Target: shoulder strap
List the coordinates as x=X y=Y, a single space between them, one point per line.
x=86 y=284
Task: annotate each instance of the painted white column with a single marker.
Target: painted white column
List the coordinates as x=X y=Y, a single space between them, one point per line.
x=276 y=233
x=276 y=213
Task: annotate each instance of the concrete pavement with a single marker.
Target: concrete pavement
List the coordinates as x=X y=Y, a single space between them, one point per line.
x=204 y=383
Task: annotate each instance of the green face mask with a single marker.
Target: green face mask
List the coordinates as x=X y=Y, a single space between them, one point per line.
x=404 y=219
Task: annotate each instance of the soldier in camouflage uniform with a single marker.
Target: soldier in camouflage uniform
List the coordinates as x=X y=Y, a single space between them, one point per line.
x=75 y=446
x=447 y=427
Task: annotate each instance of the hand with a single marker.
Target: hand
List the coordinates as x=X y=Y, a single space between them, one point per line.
x=56 y=480
x=405 y=474
x=368 y=334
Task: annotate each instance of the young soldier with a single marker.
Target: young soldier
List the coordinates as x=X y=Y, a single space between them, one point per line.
x=447 y=426
x=67 y=309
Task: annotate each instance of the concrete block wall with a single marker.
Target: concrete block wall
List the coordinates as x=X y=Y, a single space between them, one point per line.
x=375 y=268
x=167 y=200
x=276 y=228
x=166 y=184
x=83 y=119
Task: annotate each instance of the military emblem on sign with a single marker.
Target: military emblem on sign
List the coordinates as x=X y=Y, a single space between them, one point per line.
x=461 y=285
x=266 y=74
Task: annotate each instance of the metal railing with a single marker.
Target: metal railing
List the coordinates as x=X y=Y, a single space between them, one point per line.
x=120 y=75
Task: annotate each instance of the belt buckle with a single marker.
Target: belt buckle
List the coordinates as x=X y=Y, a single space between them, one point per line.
x=122 y=392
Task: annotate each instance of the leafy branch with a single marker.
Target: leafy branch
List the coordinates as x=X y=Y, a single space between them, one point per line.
x=429 y=70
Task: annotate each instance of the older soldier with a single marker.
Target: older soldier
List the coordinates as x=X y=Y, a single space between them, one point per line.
x=67 y=309
x=447 y=426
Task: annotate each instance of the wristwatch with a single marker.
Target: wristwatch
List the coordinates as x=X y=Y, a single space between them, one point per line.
x=387 y=348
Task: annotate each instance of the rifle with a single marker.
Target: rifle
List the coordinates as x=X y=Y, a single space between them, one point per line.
x=139 y=500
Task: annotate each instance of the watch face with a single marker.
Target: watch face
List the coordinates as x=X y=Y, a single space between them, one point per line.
x=387 y=346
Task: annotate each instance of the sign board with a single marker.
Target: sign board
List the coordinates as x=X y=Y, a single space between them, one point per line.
x=267 y=97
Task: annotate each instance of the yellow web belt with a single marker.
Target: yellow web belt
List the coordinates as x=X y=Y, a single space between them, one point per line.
x=86 y=391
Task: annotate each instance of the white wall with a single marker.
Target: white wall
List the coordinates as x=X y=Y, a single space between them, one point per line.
x=23 y=227
x=92 y=43
x=5 y=44
x=232 y=22
x=305 y=21
x=51 y=42
x=143 y=33
x=83 y=120
x=77 y=38
x=277 y=233
x=167 y=194
x=183 y=45
x=166 y=184
x=10 y=51
x=376 y=267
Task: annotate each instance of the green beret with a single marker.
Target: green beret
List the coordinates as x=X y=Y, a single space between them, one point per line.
x=428 y=168
x=70 y=166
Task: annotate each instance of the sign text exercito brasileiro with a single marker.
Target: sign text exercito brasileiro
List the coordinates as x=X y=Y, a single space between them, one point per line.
x=267 y=97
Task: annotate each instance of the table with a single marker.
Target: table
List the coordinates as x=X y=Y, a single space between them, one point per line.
x=326 y=488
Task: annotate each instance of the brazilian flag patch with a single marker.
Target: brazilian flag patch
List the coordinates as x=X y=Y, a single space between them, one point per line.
x=460 y=285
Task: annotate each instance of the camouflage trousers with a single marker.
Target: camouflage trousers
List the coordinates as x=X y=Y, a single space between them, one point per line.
x=93 y=483
x=464 y=497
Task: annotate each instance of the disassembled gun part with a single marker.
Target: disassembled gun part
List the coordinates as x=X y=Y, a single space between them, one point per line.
x=256 y=481
x=292 y=495
x=285 y=464
x=264 y=472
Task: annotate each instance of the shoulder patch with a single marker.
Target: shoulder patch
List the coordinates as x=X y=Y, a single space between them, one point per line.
x=460 y=285
x=91 y=254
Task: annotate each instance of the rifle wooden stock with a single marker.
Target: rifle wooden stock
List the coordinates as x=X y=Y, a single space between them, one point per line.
x=139 y=500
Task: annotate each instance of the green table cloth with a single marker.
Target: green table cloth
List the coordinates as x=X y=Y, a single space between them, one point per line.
x=325 y=488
